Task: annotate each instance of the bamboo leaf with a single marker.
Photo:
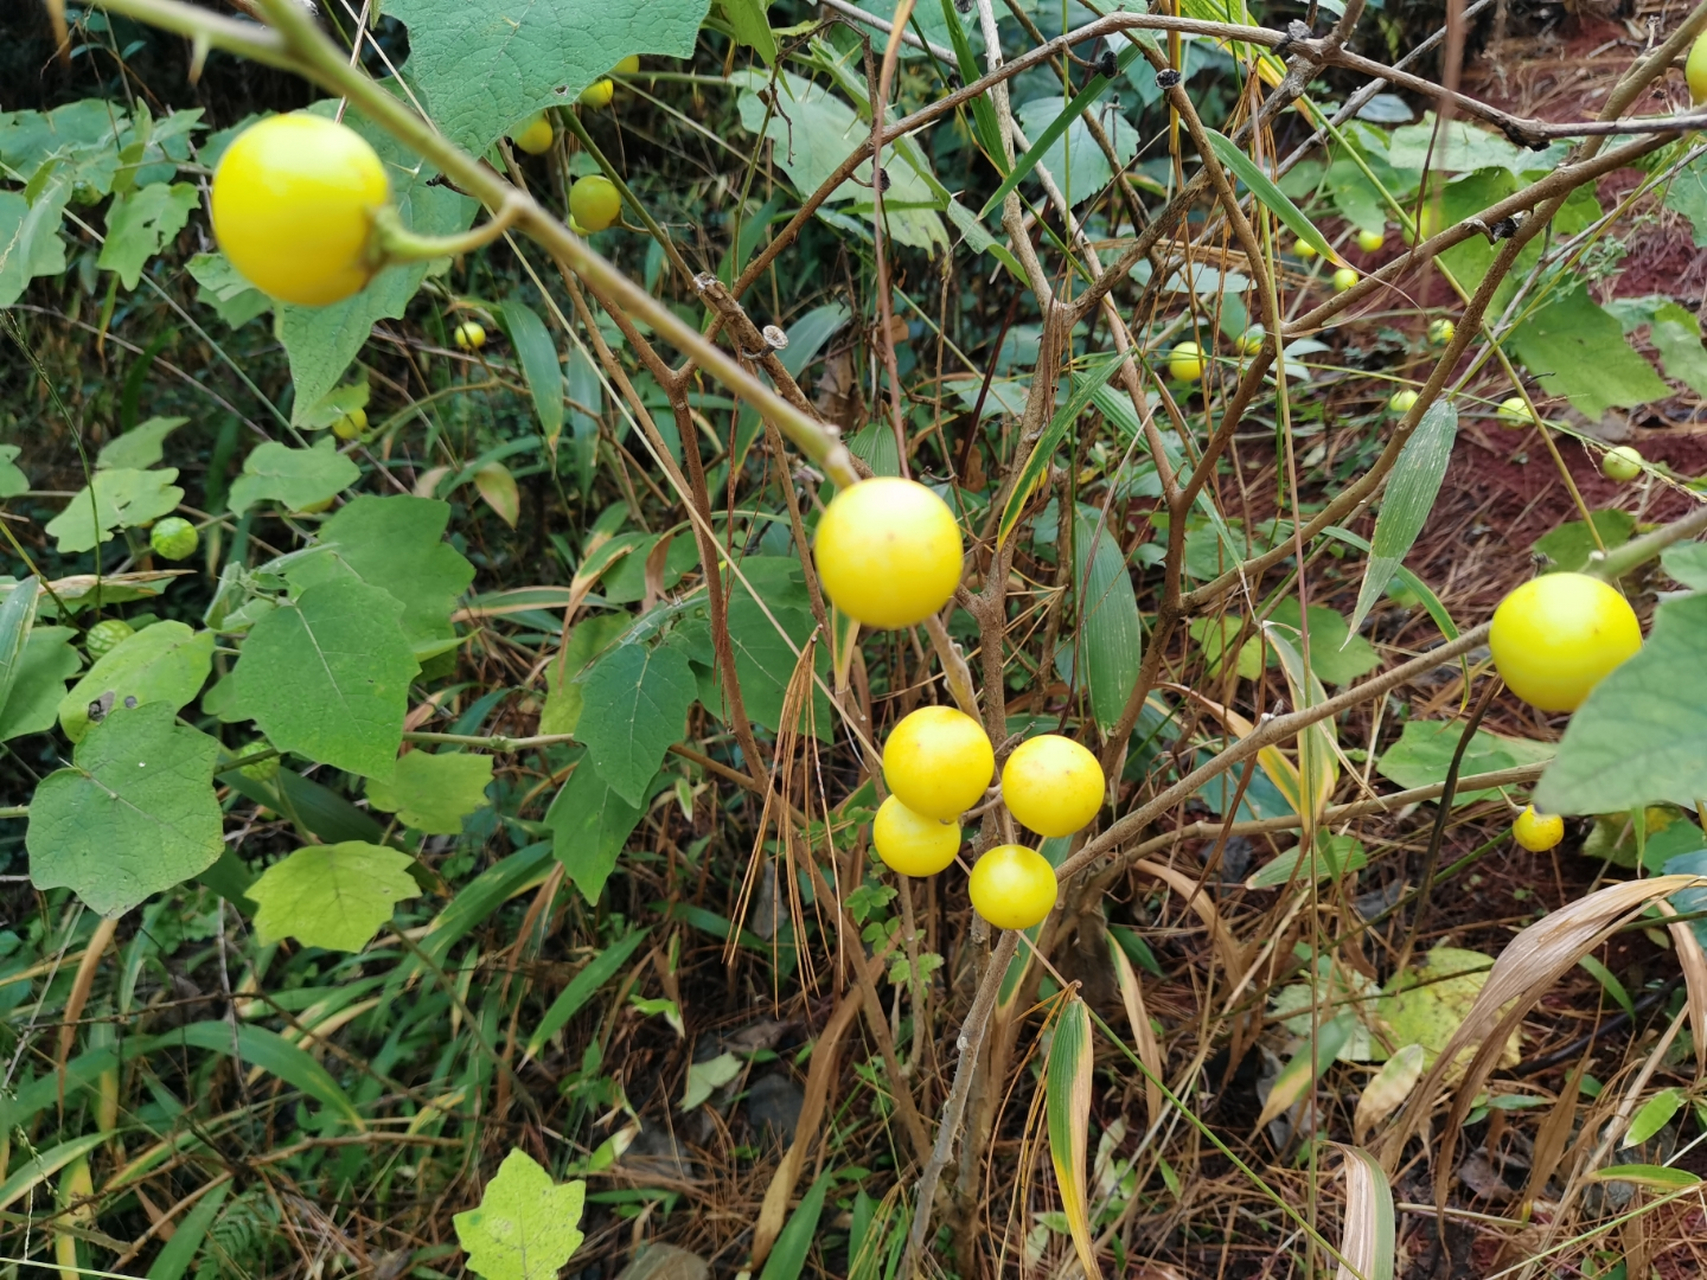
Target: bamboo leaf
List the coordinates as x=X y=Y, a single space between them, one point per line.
x=37 y=1169
x=1276 y=200
x=538 y=356
x=984 y=124
x=1085 y=386
x=174 y=1260
x=1411 y=491
x=788 y=1259
x=1656 y=1176
x=1300 y=1074
x=1369 y=1241
x=1110 y=637
x=1068 y=1100
x=1655 y=1114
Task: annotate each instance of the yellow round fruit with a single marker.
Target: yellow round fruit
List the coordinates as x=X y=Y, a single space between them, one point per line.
x=1052 y=785
x=1441 y=332
x=1402 y=402
x=594 y=202
x=1344 y=279
x=911 y=843
x=628 y=66
x=1557 y=636
x=1185 y=362
x=1695 y=69
x=598 y=94
x=1514 y=412
x=351 y=425
x=1013 y=887
x=1303 y=249
x=313 y=508
x=470 y=335
x=535 y=137
x=888 y=552
x=1250 y=342
x=939 y=762
x=1537 y=832
x=1370 y=241
x=1622 y=464
x=294 y=199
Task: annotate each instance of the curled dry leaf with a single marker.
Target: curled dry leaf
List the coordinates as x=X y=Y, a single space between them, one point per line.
x=1390 y=1087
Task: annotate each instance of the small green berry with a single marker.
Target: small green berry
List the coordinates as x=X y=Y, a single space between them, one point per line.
x=102 y=638
x=174 y=538
x=1402 y=402
x=1370 y=240
x=1344 y=279
x=351 y=426
x=1514 y=412
x=1622 y=464
x=262 y=770
x=1441 y=332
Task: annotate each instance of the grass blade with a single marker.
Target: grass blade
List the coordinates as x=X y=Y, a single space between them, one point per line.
x=38 y=1168
x=984 y=124
x=1085 y=387
x=581 y=989
x=1369 y=1242
x=788 y=1259
x=174 y=1260
x=1298 y=1075
x=1276 y=200
x=17 y=616
x=1411 y=491
x=538 y=356
x=1068 y=1097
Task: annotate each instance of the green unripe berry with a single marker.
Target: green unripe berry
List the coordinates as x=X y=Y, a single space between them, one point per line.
x=174 y=538
x=594 y=202
x=1441 y=332
x=1370 y=240
x=102 y=638
x=1622 y=464
x=262 y=770
x=1402 y=402
x=1344 y=279
x=352 y=426
x=1514 y=412
x=1303 y=249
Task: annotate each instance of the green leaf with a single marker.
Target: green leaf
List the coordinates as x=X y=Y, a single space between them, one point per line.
x=1424 y=750
x=1658 y=1177
x=179 y=1252
x=1215 y=635
x=1109 y=637
x=1277 y=202
x=273 y=1054
x=397 y=544
x=321 y=341
x=1687 y=562
x=526 y=1227
x=139 y=222
x=705 y=1078
x=1655 y=1114
x=331 y=895
x=17 y=620
x=1641 y=736
x=481 y=68
x=39 y=1168
x=1577 y=349
x=788 y=1257
x=636 y=703
x=1308 y=1065
x=134 y=815
x=167 y=662
x=1337 y=656
x=327 y=676
x=123 y=498
x=1428 y=1002
x=1570 y=545
x=1686 y=194
x=1338 y=855
x=339 y=402
x=220 y=286
x=590 y=822
x=538 y=354
x=1411 y=491
x=12 y=480
x=30 y=244
x=140 y=447
x=47 y=662
x=296 y=478
x=433 y=793
x=1460 y=147
x=751 y=26
x=582 y=987
x=765 y=661
x=1085 y=384
x=1677 y=337
x=563 y=696
x=1067 y=1089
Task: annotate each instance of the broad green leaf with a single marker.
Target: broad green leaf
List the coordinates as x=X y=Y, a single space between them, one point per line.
x=1641 y=737
x=396 y=544
x=122 y=498
x=167 y=662
x=321 y=341
x=17 y=620
x=174 y=1259
x=636 y=701
x=1655 y=1114
x=1577 y=349
x=1300 y=1074
x=12 y=480
x=1086 y=384
x=1064 y=145
x=1460 y=147
x=582 y=987
x=526 y=1227
x=139 y=448
x=563 y=697
x=30 y=244
x=433 y=793
x=751 y=26
x=1411 y=490
x=1657 y=1177
x=1337 y=656
x=139 y=222
x=331 y=895
x=765 y=661
x=705 y=1078
x=1569 y=547
x=1428 y=1002
x=47 y=662
x=327 y=676
x=1109 y=637
x=1424 y=750
x=295 y=478
x=134 y=815
x=1067 y=1088
x=1686 y=194
x=1263 y=188
x=1215 y=635
x=1677 y=337
x=222 y=287
x=787 y=1259
x=538 y=355
x=590 y=822
x=339 y=402
x=482 y=67
x=1687 y=562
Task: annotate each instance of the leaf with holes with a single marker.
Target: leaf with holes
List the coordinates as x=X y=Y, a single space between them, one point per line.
x=167 y=662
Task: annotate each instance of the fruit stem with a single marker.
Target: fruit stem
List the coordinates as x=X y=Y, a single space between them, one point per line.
x=393 y=243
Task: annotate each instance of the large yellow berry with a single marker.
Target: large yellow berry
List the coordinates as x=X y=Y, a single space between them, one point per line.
x=293 y=201
x=1185 y=362
x=598 y=94
x=594 y=202
x=1013 y=887
x=1695 y=69
x=628 y=66
x=470 y=335
x=939 y=762
x=1344 y=279
x=535 y=136
x=1557 y=636
x=1052 y=785
x=888 y=552
x=1537 y=832
x=912 y=843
